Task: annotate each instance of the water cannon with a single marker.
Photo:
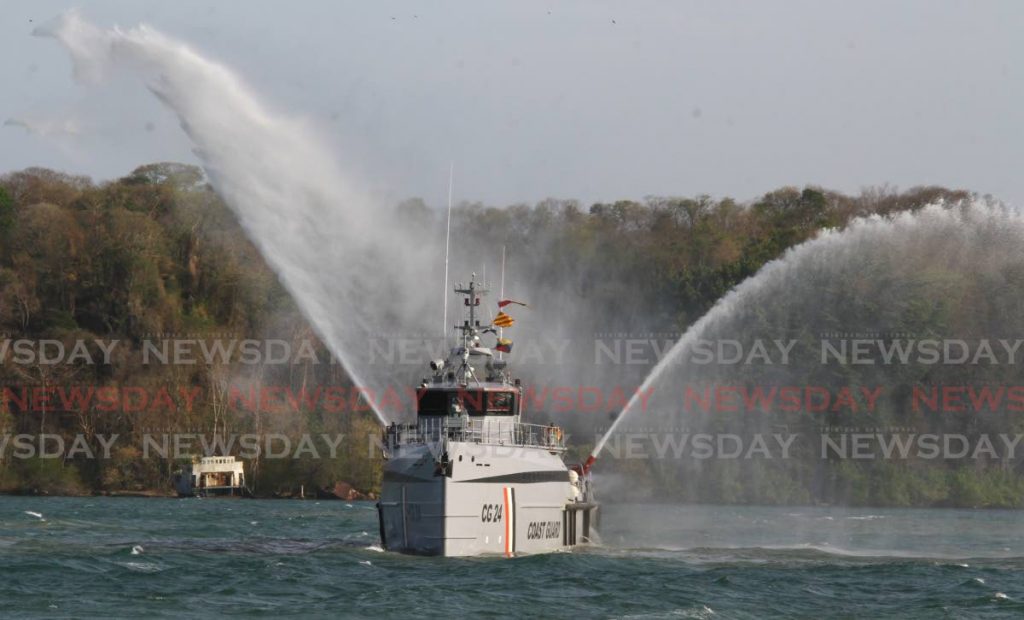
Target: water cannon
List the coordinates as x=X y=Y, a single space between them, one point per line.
x=436 y=365
x=588 y=464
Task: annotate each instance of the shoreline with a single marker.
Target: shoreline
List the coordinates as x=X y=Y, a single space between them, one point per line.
x=160 y=494
x=157 y=494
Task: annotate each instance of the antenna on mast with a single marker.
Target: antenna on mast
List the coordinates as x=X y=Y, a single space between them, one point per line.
x=447 y=242
x=501 y=295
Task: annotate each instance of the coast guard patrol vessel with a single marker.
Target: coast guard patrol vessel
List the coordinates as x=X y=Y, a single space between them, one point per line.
x=469 y=477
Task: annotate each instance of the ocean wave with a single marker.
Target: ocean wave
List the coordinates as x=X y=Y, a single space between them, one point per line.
x=141 y=567
x=811 y=552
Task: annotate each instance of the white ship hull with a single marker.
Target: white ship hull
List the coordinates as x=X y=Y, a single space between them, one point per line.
x=500 y=500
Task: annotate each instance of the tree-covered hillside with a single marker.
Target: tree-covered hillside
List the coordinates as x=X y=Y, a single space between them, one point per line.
x=157 y=256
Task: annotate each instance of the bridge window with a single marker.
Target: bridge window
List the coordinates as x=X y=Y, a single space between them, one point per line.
x=463 y=401
x=432 y=402
x=499 y=403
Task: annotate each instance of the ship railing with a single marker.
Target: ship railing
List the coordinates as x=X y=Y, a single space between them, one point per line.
x=486 y=432
x=586 y=489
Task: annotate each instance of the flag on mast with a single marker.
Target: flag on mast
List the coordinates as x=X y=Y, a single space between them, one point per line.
x=503 y=320
x=505 y=302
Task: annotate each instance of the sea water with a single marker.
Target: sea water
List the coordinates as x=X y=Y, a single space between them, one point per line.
x=126 y=557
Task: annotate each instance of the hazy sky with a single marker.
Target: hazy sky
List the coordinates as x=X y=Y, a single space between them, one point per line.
x=588 y=100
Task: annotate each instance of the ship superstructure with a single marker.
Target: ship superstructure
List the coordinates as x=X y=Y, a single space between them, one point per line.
x=469 y=477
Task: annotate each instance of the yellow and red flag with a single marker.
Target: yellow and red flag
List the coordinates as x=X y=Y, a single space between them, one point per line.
x=503 y=320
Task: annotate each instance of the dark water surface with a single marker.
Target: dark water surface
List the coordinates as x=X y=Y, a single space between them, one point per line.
x=121 y=557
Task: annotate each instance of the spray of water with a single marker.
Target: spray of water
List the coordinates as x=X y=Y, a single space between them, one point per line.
x=364 y=278
x=881 y=272
x=358 y=274
x=315 y=228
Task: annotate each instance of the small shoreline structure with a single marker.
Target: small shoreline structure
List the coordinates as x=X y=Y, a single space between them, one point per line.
x=212 y=476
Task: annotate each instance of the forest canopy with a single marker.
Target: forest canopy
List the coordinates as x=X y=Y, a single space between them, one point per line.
x=157 y=252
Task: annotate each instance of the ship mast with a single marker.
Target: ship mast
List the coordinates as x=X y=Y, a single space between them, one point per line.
x=470 y=327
